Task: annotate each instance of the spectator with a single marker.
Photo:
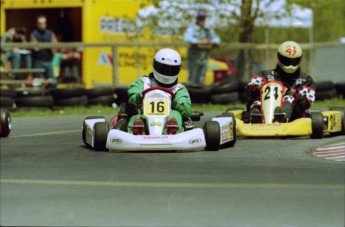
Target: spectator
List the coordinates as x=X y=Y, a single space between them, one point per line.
x=42 y=58
x=15 y=55
x=202 y=39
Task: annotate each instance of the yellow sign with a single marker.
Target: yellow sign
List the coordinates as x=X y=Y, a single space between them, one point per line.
x=156 y=107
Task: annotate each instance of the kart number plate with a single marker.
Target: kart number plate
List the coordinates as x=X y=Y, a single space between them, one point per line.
x=156 y=107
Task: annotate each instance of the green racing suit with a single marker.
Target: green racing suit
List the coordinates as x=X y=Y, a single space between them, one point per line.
x=180 y=106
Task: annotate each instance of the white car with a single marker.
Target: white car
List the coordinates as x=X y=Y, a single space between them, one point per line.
x=101 y=135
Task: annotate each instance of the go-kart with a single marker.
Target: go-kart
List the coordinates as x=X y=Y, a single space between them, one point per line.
x=5 y=123
x=314 y=124
x=156 y=107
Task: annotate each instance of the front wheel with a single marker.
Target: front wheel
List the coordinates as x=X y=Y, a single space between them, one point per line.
x=212 y=135
x=101 y=130
x=317 y=125
x=6 y=124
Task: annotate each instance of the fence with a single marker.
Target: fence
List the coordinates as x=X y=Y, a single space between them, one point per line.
x=268 y=51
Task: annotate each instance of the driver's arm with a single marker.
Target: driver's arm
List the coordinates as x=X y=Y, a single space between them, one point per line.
x=306 y=94
x=182 y=102
x=134 y=92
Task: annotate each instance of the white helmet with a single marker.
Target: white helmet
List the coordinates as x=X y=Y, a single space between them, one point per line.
x=166 y=66
x=289 y=56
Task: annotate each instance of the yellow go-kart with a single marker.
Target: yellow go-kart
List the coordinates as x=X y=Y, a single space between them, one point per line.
x=315 y=124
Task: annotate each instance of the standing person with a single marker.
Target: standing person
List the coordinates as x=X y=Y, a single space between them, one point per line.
x=202 y=39
x=42 y=58
x=14 y=35
x=301 y=87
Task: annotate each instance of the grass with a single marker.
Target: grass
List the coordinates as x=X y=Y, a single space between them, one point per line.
x=105 y=110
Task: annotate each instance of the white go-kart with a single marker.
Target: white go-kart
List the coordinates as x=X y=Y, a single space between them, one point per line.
x=101 y=135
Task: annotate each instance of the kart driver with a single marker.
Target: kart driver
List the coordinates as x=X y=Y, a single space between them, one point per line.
x=300 y=86
x=166 y=67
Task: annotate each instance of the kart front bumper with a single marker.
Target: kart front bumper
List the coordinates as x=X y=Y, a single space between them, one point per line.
x=122 y=141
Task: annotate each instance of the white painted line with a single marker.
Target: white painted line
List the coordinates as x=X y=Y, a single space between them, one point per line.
x=176 y=184
x=45 y=134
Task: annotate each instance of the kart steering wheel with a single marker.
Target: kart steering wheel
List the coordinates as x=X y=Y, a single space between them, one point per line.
x=167 y=90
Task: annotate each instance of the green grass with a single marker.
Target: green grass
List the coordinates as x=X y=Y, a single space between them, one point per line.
x=105 y=110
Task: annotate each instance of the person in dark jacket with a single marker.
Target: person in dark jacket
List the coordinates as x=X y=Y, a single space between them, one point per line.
x=301 y=88
x=42 y=58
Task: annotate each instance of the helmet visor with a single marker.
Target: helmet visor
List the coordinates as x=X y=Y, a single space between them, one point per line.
x=167 y=70
x=289 y=61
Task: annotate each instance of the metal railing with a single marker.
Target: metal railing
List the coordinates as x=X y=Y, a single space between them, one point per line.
x=114 y=48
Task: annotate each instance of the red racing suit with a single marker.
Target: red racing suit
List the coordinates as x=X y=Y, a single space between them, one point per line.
x=300 y=90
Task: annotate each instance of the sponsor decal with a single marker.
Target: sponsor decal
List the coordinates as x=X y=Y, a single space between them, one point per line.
x=117 y=25
x=195 y=141
x=155 y=137
x=105 y=59
x=115 y=140
x=156 y=124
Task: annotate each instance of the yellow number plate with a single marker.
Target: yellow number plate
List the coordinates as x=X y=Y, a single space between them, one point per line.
x=156 y=107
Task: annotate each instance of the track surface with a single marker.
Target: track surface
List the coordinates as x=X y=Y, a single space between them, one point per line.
x=48 y=177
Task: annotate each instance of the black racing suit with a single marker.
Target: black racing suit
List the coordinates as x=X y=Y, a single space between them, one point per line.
x=299 y=96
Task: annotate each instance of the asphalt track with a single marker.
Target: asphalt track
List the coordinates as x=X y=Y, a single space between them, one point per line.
x=48 y=177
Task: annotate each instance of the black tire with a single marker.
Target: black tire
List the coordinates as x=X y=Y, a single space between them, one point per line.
x=212 y=135
x=64 y=93
x=75 y=101
x=226 y=86
x=9 y=93
x=324 y=85
x=323 y=95
x=6 y=124
x=100 y=91
x=32 y=93
x=340 y=87
x=83 y=135
x=342 y=109
x=199 y=93
x=106 y=100
x=101 y=130
x=122 y=95
x=6 y=102
x=38 y=101
x=225 y=98
x=317 y=125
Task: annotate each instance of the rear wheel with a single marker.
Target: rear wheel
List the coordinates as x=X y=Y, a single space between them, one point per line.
x=212 y=135
x=317 y=125
x=342 y=110
x=101 y=133
x=5 y=124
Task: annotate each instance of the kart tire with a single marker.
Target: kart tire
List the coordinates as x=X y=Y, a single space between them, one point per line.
x=323 y=95
x=64 y=93
x=83 y=135
x=106 y=100
x=342 y=110
x=122 y=95
x=9 y=93
x=6 y=102
x=199 y=93
x=101 y=130
x=225 y=98
x=100 y=91
x=340 y=87
x=324 y=85
x=6 y=124
x=226 y=86
x=317 y=125
x=212 y=135
x=35 y=101
x=32 y=93
x=74 y=101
